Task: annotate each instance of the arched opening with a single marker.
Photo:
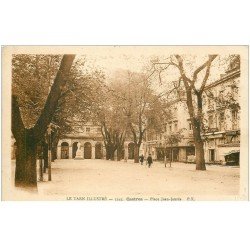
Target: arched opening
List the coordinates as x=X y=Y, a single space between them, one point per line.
x=64 y=150
x=98 y=151
x=74 y=149
x=131 y=147
x=87 y=150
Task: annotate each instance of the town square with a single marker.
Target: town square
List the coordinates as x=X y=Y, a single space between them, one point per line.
x=126 y=123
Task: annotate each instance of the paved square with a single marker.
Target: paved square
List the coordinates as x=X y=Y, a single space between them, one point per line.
x=95 y=178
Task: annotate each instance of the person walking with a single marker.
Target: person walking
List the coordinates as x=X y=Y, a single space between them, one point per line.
x=149 y=160
x=141 y=159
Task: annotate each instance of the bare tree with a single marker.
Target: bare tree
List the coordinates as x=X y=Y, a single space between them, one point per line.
x=194 y=87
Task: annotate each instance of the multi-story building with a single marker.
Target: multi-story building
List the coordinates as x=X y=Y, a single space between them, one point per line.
x=179 y=122
x=221 y=124
x=222 y=116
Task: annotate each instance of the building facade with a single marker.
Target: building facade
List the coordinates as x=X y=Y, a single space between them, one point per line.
x=222 y=116
x=179 y=122
x=91 y=143
x=89 y=138
x=221 y=107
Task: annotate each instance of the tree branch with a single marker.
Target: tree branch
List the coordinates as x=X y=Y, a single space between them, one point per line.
x=211 y=58
x=203 y=66
x=53 y=97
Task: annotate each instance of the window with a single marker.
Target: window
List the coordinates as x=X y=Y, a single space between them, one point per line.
x=170 y=128
x=235 y=119
x=211 y=155
x=175 y=126
x=87 y=130
x=210 y=121
x=221 y=95
x=234 y=90
x=175 y=112
x=209 y=101
x=221 y=121
x=190 y=125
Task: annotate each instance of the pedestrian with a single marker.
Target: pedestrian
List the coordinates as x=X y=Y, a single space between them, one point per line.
x=141 y=159
x=149 y=160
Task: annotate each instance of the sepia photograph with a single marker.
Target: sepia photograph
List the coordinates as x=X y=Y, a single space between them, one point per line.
x=125 y=123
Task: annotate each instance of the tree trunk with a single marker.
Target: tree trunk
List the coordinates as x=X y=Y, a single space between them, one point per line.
x=136 y=153
x=25 y=173
x=119 y=153
x=112 y=154
x=196 y=123
x=107 y=155
x=55 y=140
x=108 y=152
x=45 y=156
x=170 y=157
x=199 y=153
x=199 y=149
x=53 y=153
x=200 y=160
x=165 y=157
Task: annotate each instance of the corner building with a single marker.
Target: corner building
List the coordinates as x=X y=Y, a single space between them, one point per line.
x=222 y=124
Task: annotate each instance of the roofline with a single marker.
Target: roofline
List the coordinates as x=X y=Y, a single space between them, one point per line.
x=224 y=79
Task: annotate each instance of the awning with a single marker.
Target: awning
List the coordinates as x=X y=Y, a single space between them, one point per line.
x=232 y=152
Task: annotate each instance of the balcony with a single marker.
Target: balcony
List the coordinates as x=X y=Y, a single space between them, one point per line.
x=211 y=130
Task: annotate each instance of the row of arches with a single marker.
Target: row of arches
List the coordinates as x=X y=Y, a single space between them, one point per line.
x=88 y=153
x=87 y=150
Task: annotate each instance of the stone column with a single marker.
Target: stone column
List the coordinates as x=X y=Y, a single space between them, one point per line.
x=82 y=148
x=58 y=152
x=70 y=152
x=93 y=152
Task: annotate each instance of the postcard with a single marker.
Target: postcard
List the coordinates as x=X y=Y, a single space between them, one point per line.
x=125 y=123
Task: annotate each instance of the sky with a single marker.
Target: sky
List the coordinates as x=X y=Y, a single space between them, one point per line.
x=135 y=58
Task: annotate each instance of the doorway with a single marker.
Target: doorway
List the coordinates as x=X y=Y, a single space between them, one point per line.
x=211 y=155
x=64 y=150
